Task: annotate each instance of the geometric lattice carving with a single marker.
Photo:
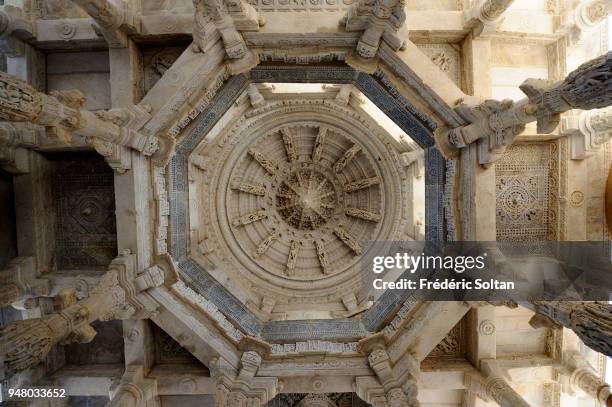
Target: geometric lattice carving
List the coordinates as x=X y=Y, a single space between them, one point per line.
x=526 y=180
x=85 y=220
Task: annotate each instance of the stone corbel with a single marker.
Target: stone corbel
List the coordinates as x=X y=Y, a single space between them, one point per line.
x=15 y=140
x=486 y=15
x=241 y=387
x=134 y=390
x=588 y=132
x=226 y=19
x=113 y=19
x=121 y=293
x=20 y=281
x=15 y=29
x=380 y=21
x=395 y=392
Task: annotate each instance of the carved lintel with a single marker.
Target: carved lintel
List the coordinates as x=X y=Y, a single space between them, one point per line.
x=380 y=21
x=15 y=29
x=496 y=124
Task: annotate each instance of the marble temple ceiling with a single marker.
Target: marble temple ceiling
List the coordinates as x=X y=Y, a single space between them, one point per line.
x=264 y=192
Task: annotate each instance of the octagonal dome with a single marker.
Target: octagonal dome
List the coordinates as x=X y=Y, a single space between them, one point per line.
x=286 y=191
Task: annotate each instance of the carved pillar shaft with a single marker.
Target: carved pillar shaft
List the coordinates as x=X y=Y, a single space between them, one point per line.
x=490 y=11
x=498 y=123
x=591 y=321
x=499 y=390
x=20 y=102
x=24 y=344
x=587 y=381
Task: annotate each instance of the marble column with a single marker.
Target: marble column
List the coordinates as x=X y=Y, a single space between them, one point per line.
x=63 y=112
x=495 y=124
x=587 y=381
x=24 y=344
x=590 y=321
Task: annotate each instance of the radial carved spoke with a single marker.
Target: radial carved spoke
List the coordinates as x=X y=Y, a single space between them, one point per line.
x=348 y=239
x=346 y=158
x=361 y=214
x=269 y=165
x=361 y=184
x=289 y=145
x=318 y=145
x=322 y=255
x=265 y=244
x=253 y=189
x=294 y=250
x=249 y=218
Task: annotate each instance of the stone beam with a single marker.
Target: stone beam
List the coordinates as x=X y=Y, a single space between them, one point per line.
x=379 y=21
x=63 y=114
x=15 y=29
x=120 y=294
x=113 y=18
x=484 y=17
x=496 y=124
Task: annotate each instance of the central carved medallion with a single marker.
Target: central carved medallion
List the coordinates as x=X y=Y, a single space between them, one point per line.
x=307 y=198
x=306 y=193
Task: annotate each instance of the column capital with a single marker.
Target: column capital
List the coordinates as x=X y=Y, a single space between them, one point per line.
x=14 y=30
x=134 y=390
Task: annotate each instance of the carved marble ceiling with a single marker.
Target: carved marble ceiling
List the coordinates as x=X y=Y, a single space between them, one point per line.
x=286 y=191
